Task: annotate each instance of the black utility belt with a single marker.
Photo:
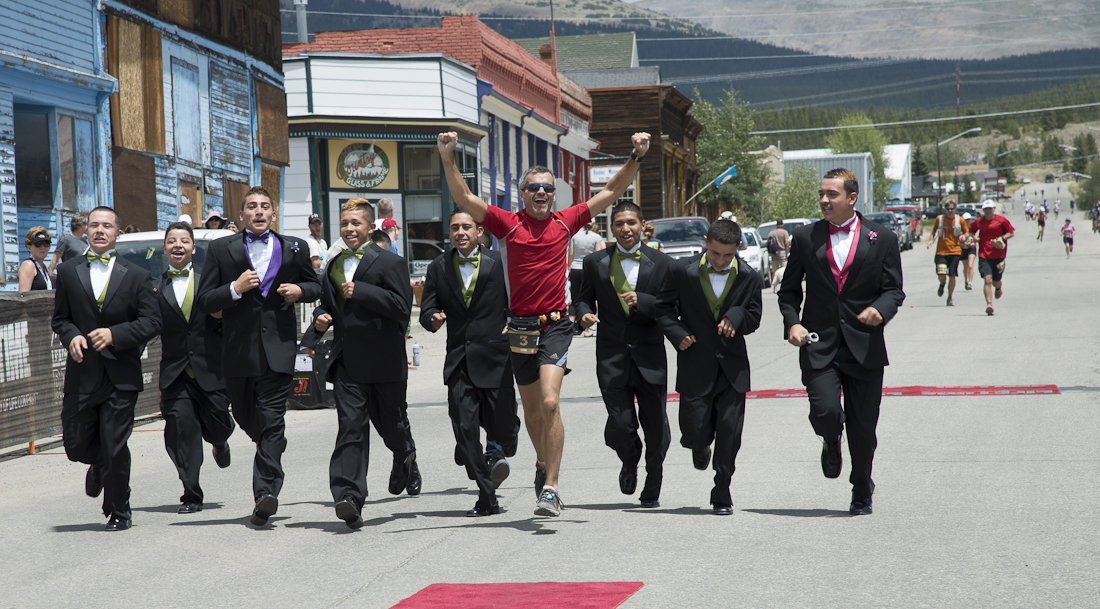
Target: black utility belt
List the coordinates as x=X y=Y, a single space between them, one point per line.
x=524 y=333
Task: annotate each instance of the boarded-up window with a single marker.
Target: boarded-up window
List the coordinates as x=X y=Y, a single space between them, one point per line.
x=135 y=183
x=185 y=111
x=273 y=137
x=191 y=201
x=271 y=179
x=234 y=196
x=137 y=110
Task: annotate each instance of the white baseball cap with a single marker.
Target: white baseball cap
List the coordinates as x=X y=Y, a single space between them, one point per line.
x=988 y=203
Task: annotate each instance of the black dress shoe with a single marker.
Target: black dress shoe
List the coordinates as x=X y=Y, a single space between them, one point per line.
x=861 y=506
x=413 y=487
x=346 y=511
x=498 y=471
x=401 y=472
x=628 y=478
x=93 y=481
x=479 y=511
x=700 y=457
x=117 y=524
x=831 y=459
x=190 y=507
x=221 y=455
x=650 y=503
x=266 y=507
x=723 y=510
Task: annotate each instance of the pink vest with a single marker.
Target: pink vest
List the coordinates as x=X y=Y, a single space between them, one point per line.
x=841 y=274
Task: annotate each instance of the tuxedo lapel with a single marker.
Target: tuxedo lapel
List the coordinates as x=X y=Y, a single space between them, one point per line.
x=169 y=295
x=485 y=266
x=237 y=253
x=328 y=290
x=451 y=280
x=819 y=237
x=861 y=247
x=84 y=273
x=603 y=269
x=697 y=287
x=645 y=268
x=117 y=275
x=370 y=256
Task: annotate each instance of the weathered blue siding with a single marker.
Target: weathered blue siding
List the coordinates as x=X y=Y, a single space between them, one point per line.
x=230 y=117
x=185 y=111
x=168 y=208
x=9 y=251
x=58 y=32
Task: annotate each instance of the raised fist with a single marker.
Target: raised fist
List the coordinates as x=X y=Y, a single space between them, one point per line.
x=640 y=142
x=447 y=142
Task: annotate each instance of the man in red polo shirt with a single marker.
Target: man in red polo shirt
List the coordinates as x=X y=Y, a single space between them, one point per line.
x=534 y=244
x=994 y=231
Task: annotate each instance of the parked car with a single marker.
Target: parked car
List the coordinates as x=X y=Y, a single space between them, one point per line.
x=765 y=229
x=932 y=211
x=912 y=215
x=146 y=249
x=755 y=253
x=681 y=237
x=973 y=209
x=896 y=223
x=420 y=255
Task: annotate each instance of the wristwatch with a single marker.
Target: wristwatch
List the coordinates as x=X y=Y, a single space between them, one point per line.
x=636 y=158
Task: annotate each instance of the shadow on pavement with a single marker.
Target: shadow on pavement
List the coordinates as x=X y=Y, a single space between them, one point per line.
x=172 y=509
x=606 y=506
x=535 y=526
x=817 y=513
x=243 y=521
x=76 y=528
x=337 y=527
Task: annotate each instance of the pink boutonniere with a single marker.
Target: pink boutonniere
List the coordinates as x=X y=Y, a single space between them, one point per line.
x=872 y=236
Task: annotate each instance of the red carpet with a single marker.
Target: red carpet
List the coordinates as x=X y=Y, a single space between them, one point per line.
x=589 y=595
x=918 y=390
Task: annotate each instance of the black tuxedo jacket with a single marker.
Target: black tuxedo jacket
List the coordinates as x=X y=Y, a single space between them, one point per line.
x=198 y=342
x=639 y=335
x=129 y=311
x=258 y=333
x=874 y=280
x=473 y=333
x=697 y=367
x=370 y=332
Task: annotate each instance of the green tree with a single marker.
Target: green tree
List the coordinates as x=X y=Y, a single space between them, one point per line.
x=1052 y=150
x=968 y=194
x=846 y=141
x=920 y=168
x=726 y=142
x=795 y=196
x=1089 y=190
x=1086 y=151
x=1002 y=158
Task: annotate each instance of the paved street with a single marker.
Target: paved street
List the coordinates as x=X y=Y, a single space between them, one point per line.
x=981 y=501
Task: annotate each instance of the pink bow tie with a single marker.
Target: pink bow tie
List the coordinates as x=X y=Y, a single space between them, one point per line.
x=834 y=229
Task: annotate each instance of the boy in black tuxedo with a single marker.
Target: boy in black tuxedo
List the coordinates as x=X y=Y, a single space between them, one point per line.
x=465 y=289
x=254 y=278
x=632 y=285
x=852 y=270
x=192 y=389
x=367 y=300
x=104 y=313
x=719 y=303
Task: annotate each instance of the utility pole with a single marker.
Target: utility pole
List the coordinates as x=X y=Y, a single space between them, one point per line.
x=554 y=66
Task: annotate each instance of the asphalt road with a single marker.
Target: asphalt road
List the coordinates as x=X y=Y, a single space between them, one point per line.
x=981 y=501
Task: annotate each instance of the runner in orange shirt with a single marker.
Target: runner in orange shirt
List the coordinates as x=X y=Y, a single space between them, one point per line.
x=946 y=232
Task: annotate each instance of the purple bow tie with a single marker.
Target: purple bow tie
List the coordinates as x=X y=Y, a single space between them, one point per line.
x=253 y=237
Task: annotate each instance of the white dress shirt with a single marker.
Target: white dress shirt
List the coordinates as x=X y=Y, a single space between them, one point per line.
x=842 y=242
x=467 y=270
x=100 y=273
x=260 y=254
x=179 y=285
x=351 y=263
x=630 y=267
x=718 y=282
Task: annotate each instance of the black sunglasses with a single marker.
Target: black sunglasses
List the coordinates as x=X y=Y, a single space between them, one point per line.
x=549 y=188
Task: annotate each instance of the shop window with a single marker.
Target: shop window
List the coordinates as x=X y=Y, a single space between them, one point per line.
x=424 y=231
x=33 y=161
x=422 y=168
x=466 y=159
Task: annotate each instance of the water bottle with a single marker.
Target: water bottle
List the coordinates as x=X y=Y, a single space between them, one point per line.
x=416 y=355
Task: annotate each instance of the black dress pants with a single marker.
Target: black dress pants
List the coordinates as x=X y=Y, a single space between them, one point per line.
x=357 y=405
x=621 y=431
x=472 y=409
x=718 y=416
x=95 y=430
x=193 y=414
x=259 y=406
x=862 y=396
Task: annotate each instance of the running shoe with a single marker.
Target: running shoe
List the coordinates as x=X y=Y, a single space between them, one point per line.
x=968 y=286
x=989 y=310
x=549 y=504
x=997 y=293
x=939 y=291
x=540 y=479
x=950 y=302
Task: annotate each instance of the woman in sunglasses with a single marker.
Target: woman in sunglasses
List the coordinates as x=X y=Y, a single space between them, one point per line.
x=32 y=272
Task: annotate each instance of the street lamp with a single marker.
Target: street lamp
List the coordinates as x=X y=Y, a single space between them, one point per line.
x=939 y=170
x=1008 y=152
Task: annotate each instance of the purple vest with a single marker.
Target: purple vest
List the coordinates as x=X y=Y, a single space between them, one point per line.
x=272 y=267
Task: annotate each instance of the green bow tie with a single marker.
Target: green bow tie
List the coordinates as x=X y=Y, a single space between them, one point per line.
x=714 y=271
x=348 y=254
x=474 y=260
x=104 y=258
x=173 y=273
x=636 y=256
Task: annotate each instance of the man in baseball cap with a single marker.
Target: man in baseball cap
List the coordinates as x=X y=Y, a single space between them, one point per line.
x=390 y=226
x=994 y=231
x=317 y=245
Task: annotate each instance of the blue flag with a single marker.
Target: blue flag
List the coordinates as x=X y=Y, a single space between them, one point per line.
x=726 y=175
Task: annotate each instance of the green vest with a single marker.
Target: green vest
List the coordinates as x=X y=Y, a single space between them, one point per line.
x=715 y=302
x=457 y=260
x=618 y=276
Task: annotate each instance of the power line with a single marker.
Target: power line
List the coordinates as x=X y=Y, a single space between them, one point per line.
x=927 y=120
x=835 y=67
